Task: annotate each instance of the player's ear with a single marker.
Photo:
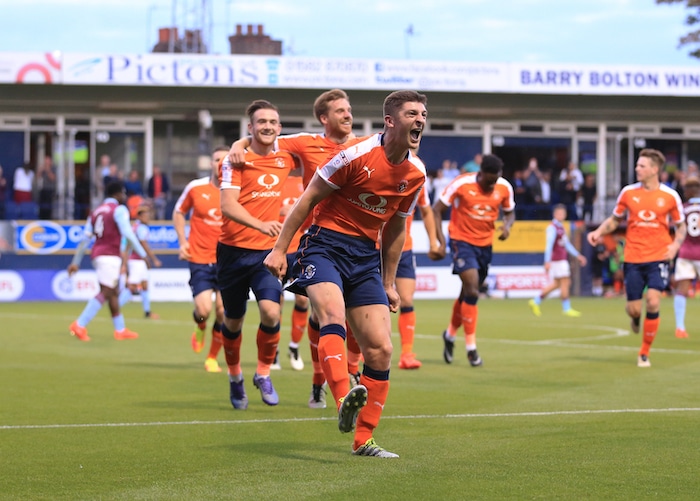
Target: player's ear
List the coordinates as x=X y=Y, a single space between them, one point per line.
x=388 y=121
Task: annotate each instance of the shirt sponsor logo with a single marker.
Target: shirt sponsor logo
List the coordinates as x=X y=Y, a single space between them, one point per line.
x=371 y=202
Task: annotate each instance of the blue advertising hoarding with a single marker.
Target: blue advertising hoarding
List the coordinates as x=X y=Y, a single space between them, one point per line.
x=63 y=237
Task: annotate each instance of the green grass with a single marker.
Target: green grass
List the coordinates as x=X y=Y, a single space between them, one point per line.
x=558 y=411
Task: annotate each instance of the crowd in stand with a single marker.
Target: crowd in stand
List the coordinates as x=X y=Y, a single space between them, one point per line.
x=33 y=195
x=538 y=190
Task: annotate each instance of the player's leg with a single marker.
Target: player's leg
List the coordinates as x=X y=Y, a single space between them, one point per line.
x=200 y=314
x=146 y=295
x=406 y=287
x=111 y=295
x=232 y=335
x=268 y=291
x=317 y=399
x=565 y=288
x=203 y=281
x=535 y=302
x=354 y=356
x=680 y=298
x=300 y=312
x=234 y=285
x=329 y=307
x=469 y=297
x=130 y=287
x=450 y=333
x=372 y=324
x=684 y=273
x=210 y=363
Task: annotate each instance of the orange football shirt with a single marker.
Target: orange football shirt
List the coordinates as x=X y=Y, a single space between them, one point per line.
x=474 y=213
x=260 y=183
x=202 y=200
x=291 y=191
x=648 y=214
x=368 y=189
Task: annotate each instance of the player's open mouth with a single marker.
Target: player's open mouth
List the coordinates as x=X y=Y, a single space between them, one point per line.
x=415 y=134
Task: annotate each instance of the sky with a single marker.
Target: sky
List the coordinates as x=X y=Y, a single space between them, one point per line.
x=635 y=32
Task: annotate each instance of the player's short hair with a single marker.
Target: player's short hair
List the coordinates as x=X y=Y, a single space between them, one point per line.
x=395 y=100
x=491 y=164
x=656 y=157
x=113 y=188
x=259 y=104
x=221 y=147
x=321 y=103
x=558 y=206
x=692 y=182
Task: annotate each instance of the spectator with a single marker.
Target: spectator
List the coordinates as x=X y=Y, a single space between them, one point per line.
x=47 y=188
x=113 y=175
x=531 y=178
x=450 y=168
x=570 y=183
x=441 y=180
x=520 y=195
x=133 y=184
x=664 y=178
x=102 y=171
x=3 y=193
x=544 y=209
x=473 y=165
x=589 y=193
x=81 y=195
x=23 y=183
x=158 y=189
x=678 y=183
x=693 y=169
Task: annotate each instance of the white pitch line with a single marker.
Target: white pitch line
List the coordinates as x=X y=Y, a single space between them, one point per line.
x=317 y=419
x=576 y=342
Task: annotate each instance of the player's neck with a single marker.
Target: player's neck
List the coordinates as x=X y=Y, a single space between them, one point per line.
x=651 y=184
x=337 y=138
x=260 y=149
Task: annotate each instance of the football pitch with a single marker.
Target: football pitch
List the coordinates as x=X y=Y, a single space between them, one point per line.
x=559 y=410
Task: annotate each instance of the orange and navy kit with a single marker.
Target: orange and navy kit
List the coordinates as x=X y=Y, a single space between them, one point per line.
x=474 y=212
x=648 y=220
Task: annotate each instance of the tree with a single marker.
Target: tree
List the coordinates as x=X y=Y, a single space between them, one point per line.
x=692 y=20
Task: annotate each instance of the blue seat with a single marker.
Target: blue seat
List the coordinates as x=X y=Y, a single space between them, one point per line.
x=28 y=210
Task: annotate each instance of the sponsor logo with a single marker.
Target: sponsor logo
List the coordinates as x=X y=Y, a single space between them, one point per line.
x=647 y=218
x=426 y=283
x=338 y=357
x=371 y=202
x=268 y=181
x=39 y=71
x=11 y=286
x=42 y=237
x=482 y=212
x=521 y=281
x=81 y=286
x=368 y=170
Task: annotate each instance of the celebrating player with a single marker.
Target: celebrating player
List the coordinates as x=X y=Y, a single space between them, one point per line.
x=648 y=205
